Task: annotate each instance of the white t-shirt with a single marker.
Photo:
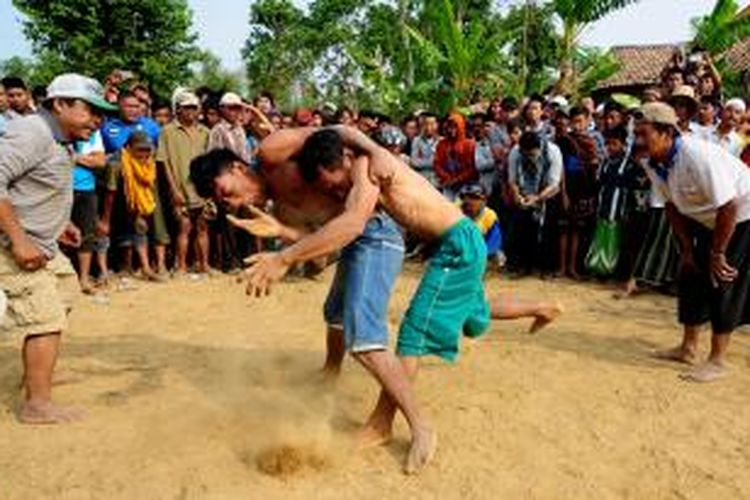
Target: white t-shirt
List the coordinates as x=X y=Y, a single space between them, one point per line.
x=732 y=142
x=702 y=178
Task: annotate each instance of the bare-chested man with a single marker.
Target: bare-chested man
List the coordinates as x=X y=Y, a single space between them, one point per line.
x=451 y=297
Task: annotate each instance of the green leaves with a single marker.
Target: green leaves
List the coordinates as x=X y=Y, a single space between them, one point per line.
x=151 y=37
x=721 y=29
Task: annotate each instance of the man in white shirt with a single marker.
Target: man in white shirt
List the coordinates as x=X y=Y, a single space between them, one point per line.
x=725 y=133
x=706 y=192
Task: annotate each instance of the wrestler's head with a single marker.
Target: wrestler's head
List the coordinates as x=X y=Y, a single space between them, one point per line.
x=221 y=175
x=326 y=162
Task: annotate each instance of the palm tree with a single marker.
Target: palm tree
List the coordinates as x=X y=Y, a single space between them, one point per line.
x=576 y=16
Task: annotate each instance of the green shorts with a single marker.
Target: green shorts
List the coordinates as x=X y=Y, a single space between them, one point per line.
x=450 y=299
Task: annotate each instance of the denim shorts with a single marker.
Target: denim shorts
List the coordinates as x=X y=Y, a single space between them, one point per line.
x=361 y=289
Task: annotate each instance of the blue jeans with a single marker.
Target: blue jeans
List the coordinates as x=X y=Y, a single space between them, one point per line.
x=361 y=289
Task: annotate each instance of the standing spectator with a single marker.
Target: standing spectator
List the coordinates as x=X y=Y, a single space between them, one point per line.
x=685 y=105
x=577 y=190
x=180 y=142
x=115 y=134
x=345 y=116
x=707 y=195
x=725 y=133
x=484 y=157
x=211 y=114
x=116 y=131
x=534 y=116
x=266 y=103
x=454 y=157
x=89 y=158
x=410 y=127
x=424 y=148
x=131 y=196
x=162 y=113
x=19 y=98
x=143 y=94
x=229 y=133
x=675 y=78
x=705 y=127
x=35 y=203
x=614 y=115
x=534 y=174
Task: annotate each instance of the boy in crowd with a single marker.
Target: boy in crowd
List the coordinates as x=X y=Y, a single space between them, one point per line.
x=90 y=158
x=162 y=113
x=474 y=206
x=705 y=125
x=19 y=98
x=35 y=202
x=131 y=196
x=424 y=148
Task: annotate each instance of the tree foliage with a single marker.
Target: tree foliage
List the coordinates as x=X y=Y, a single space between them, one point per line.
x=722 y=28
x=150 y=37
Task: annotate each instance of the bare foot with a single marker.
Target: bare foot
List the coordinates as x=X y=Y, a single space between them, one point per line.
x=423 y=448
x=371 y=436
x=679 y=354
x=48 y=413
x=710 y=371
x=546 y=316
x=86 y=286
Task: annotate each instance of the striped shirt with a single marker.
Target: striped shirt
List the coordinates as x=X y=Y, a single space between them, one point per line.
x=36 y=177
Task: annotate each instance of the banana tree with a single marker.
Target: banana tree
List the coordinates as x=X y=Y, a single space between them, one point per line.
x=576 y=16
x=722 y=28
x=461 y=57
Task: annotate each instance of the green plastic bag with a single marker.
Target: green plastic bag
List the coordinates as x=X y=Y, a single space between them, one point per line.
x=604 y=252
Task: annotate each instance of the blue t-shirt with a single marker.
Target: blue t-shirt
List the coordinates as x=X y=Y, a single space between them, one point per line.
x=116 y=132
x=84 y=178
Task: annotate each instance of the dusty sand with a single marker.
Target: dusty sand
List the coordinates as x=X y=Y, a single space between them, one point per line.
x=193 y=391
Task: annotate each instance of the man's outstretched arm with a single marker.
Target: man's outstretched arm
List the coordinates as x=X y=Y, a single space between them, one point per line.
x=343 y=229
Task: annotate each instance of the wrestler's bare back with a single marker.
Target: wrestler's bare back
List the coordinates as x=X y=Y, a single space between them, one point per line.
x=409 y=198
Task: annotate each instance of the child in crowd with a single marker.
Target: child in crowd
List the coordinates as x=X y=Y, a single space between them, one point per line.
x=131 y=197
x=473 y=201
x=578 y=190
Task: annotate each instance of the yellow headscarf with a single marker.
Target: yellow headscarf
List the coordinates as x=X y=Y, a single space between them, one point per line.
x=139 y=178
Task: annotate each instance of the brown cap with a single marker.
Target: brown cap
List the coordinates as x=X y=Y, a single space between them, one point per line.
x=657 y=112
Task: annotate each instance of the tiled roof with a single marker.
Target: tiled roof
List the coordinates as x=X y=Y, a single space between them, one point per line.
x=738 y=56
x=639 y=64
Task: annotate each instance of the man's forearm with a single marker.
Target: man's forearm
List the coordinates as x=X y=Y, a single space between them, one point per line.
x=549 y=192
x=333 y=236
x=9 y=222
x=726 y=218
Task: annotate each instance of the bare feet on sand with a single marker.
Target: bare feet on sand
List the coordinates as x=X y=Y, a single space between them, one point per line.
x=679 y=354
x=546 y=316
x=423 y=448
x=48 y=413
x=372 y=436
x=710 y=371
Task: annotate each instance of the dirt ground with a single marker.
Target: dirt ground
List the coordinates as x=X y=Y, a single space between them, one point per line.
x=194 y=391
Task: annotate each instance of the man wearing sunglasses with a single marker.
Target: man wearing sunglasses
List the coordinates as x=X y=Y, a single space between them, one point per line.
x=36 y=160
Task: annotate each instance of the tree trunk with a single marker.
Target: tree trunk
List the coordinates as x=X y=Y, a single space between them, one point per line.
x=566 y=83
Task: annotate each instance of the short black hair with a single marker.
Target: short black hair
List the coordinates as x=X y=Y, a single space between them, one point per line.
x=578 y=111
x=674 y=70
x=14 y=82
x=509 y=103
x=611 y=106
x=268 y=95
x=514 y=124
x=530 y=141
x=707 y=99
x=205 y=168
x=325 y=149
x=160 y=104
x=619 y=133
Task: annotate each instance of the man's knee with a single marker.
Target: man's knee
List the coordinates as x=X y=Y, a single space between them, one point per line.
x=185 y=225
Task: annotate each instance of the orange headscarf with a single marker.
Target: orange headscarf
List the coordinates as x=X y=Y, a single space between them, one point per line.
x=454 y=158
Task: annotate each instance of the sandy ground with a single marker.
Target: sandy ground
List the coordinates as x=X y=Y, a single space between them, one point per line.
x=193 y=391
